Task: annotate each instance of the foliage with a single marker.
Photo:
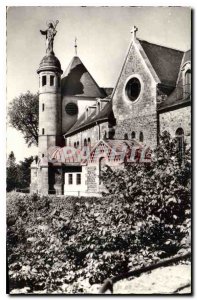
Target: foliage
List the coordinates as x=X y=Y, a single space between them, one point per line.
x=12 y=172
x=66 y=244
x=18 y=175
x=23 y=115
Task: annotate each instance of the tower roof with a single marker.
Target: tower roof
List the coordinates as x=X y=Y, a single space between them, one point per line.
x=48 y=63
x=77 y=81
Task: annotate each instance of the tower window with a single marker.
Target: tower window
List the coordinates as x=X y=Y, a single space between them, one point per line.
x=44 y=80
x=75 y=145
x=78 y=144
x=133 y=88
x=70 y=178
x=42 y=154
x=42 y=106
x=85 y=142
x=89 y=142
x=141 y=137
x=133 y=135
x=78 y=181
x=58 y=81
x=42 y=130
x=52 y=80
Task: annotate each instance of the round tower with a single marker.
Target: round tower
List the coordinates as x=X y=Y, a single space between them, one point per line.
x=50 y=133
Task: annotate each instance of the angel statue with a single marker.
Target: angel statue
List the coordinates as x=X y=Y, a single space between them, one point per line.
x=50 y=34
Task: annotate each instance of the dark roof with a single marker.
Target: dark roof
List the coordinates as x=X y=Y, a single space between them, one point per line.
x=165 y=61
x=77 y=81
x=105 y=114
x=50 y=62
x=177 y=97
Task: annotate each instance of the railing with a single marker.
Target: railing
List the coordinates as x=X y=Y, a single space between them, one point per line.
x=108 y=284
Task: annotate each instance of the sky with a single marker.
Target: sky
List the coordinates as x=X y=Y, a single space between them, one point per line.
x=103 y=35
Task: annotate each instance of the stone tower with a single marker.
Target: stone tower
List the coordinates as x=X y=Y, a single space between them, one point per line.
x=50 y=115
x=50 y=133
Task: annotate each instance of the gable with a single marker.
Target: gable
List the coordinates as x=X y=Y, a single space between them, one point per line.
x=77 y=81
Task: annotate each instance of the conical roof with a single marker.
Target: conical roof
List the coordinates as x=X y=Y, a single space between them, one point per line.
x=77 y=81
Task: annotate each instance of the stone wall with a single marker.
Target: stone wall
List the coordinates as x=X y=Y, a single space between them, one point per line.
x=179 y=118
x=138 y=115
x=67 y=120
x=95 y=133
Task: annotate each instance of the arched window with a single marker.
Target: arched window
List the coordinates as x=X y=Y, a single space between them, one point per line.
x=133 y=135
x=89 y=142
x=180 y=142
x=85 y=142
x=77 y=144
x=141 y=137
x=126 y=136
x=187 y=86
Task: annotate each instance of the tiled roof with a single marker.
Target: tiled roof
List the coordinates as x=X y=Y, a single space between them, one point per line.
x=165 y=61
x=177 y=96
x=77 y=81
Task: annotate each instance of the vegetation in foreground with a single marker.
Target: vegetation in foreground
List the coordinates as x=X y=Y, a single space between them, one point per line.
x=64 y=245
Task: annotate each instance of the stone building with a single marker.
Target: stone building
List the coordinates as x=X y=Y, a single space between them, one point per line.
x=83 y=126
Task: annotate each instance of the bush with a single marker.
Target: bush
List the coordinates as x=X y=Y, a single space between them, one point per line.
x=66 y=244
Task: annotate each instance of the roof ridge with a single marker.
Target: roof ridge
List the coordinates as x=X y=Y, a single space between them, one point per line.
x=163 y=46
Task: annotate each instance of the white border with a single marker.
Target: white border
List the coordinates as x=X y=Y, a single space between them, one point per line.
x=3 y=4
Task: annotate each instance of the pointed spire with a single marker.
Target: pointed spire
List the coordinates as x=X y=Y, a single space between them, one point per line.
x=75 y=46
x=134 y=29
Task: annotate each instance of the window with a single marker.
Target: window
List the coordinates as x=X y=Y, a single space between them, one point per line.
x=70 y=178
x=133 y=88
x=71 y=109
x=180 y=143
x=58 y=81
x=78 y=179
x=44 y=80
x=42 y=130
x=78 y=144
x=42 y=154
x=89 y=142
x=141 y=137
x=42 y=106
x=52 y=79
x=133 y=135
x=126 y=136
x=188 y=82
x=85 y=142
x=75 y=145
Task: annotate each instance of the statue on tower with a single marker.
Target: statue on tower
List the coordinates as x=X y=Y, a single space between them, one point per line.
x=50 y=34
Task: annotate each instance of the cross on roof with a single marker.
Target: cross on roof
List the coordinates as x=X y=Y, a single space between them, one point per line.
x=75 y=46
x=134 y=29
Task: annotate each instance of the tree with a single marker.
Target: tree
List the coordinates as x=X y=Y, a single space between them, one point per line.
x=23 y=115
x=12 y=172
x=24 y=174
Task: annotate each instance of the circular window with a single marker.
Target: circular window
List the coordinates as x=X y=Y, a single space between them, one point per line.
x=71 y=109
x=133 y=88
